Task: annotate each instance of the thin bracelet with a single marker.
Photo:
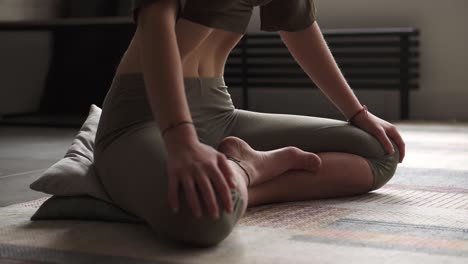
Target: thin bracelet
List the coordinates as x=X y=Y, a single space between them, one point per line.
x=238 y=164
x=364 y=108
x=175 y=125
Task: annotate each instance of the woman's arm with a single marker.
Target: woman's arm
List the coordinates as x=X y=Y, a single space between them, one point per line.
x=191 y=164
x=310 y=50
x=162 y=69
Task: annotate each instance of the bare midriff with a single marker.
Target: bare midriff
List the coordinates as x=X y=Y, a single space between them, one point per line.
x=206 y=60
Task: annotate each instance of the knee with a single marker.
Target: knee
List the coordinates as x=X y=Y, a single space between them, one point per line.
x=203 y=232
x=384 y=167
x=183 y=227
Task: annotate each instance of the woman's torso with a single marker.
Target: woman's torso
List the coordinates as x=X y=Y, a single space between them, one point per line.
x=207 y=60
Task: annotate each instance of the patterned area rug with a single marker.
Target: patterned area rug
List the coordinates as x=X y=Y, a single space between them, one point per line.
x=421 y=216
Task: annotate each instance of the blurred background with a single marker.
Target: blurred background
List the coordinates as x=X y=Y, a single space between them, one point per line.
x=26 y=55
x=442 y=96
x=443 y=92
x=30 y=9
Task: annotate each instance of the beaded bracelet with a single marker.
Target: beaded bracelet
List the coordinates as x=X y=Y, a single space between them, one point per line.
x=175 y=125
x=364 y=108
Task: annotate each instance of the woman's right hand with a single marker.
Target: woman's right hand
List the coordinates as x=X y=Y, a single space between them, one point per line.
x=194 y=166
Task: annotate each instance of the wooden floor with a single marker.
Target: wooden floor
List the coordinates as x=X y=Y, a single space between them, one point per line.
x=25 y=152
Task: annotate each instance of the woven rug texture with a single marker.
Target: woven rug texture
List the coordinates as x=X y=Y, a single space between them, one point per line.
x=420 y=216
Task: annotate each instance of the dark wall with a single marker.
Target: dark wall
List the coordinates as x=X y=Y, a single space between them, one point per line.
x=82 y=66
x=94 y=8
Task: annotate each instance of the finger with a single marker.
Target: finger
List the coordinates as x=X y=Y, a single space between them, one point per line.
x=220 y=183
x=223 y=164
x=399 y=141
x=385 y=141
x=204 y=184
x=173 y=192
x=191 y=196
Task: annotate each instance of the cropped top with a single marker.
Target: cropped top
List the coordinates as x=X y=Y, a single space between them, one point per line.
x=234 y=15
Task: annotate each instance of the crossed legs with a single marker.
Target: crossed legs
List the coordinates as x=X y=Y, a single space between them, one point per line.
x=352 y=161
x=130 y=161
x=339 y=174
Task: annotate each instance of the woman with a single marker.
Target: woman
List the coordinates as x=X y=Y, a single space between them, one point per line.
x=171 y=147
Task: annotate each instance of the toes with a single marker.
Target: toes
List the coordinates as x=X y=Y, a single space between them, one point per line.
x=306 y=160
x=314 y=161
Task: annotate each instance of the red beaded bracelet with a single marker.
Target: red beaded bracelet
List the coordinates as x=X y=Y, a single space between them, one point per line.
x=363 y=109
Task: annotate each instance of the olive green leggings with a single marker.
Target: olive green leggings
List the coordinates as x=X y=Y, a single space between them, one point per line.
x=130 y=155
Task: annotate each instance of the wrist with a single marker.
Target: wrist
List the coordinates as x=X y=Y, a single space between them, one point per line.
x=362 y=111
x=175 y=125
x=181 y=135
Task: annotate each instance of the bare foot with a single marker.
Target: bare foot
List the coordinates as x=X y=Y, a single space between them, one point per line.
x=265 y=165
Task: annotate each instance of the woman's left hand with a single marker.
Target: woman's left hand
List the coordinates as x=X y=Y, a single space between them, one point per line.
x=382 y=130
